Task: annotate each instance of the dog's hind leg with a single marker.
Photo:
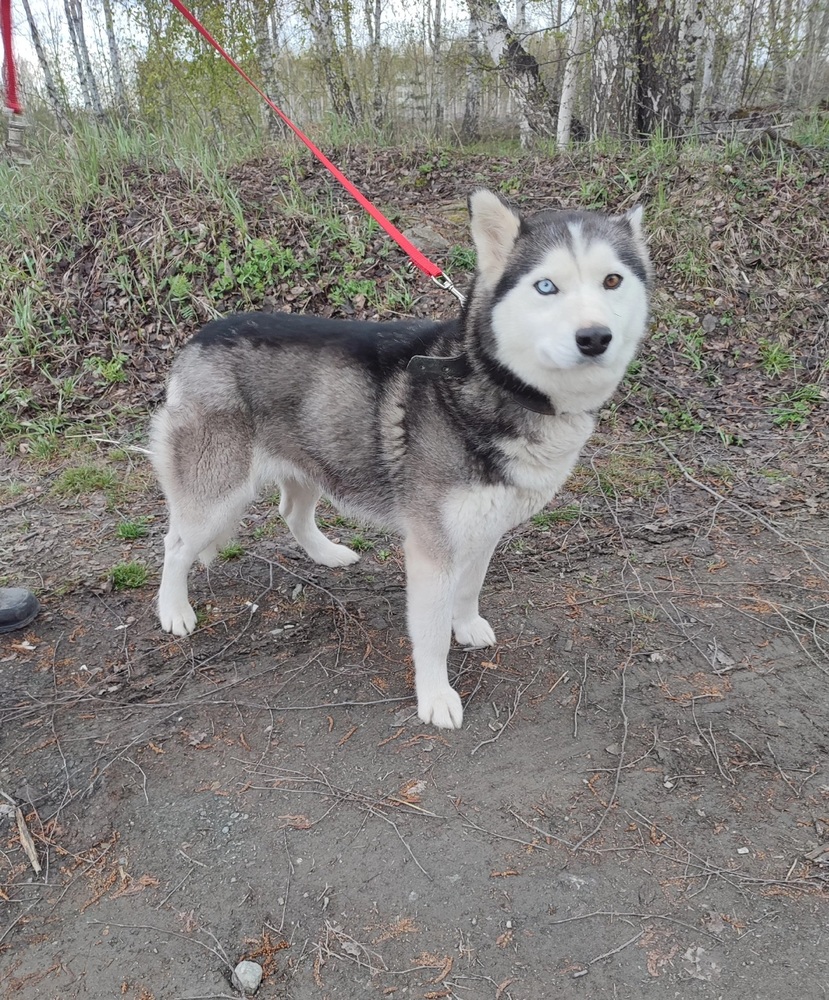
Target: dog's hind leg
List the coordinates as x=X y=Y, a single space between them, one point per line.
x=196 y=534
x=203 y=461
x=470 y=629
x=297 y=504
x=430 y=587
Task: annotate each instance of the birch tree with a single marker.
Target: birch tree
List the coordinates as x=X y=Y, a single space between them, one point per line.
x=322 y=28
x=118 y=85
x=471 y=121
x=570 y=78
x=52 y=92
x=518 y=67
x=373 y=16
x=77 y=36
x=436 y=42
x=266 y=30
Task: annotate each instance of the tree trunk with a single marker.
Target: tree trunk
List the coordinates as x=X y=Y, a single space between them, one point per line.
x=694 y=33
x=471 y=122
x=436 y=40
x=817 y=37
x=265 y=56
x=654 y=33
x=519 y=69
x=119 y=88
x=613 y=74
x=706 y=87
x=89 y=85
x=568 y=83
x=374 y=24
x=52 y=91
x=322 y=27
x=730 y=89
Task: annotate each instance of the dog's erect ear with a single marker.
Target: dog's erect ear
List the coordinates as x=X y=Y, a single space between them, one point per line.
x=494 y=226
x=634 y=218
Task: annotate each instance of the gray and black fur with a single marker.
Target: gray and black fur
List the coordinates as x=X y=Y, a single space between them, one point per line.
x=449 y=453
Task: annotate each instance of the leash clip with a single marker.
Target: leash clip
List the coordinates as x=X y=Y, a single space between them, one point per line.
x=445 y=282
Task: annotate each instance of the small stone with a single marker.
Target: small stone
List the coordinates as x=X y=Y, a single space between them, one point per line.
x=246 y=977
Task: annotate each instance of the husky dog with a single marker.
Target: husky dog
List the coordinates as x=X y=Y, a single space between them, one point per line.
x=450 y=433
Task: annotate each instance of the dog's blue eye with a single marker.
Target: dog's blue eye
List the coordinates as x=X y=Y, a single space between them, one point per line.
x=545 y=287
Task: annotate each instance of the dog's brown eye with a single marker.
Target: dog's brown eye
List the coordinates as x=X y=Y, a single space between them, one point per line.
x=612 y=281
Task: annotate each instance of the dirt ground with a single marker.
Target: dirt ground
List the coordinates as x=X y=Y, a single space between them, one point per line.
x=637 y=804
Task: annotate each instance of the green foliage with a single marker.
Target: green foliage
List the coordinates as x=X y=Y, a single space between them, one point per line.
x=345 y=291
x=84 y=479
x=263 y=263
x=231 y=551
x=794 y=408
x=129 y=575
x=461 y=258
x=360 y=543
x=130 y=530
x=108 y=370
x=560 y=515
x=774 y=358
x=812 y=130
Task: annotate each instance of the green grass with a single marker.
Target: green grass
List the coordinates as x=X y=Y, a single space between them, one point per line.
x=231 y=551
x=171 y=236
x=775 y=359
x=793 y=409
x=461 y=258
x=108 y=370
x=84 y=479
x=812 y=130
x=360 y=543
x=560 y=515
x=129 y=575
x=130 y=530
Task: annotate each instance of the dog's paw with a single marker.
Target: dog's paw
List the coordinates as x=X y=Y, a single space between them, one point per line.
x=335 y=555
x=441 y=708
x=180 y=620
x=474 y=634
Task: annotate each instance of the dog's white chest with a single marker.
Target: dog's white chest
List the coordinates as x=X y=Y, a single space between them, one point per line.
x=541 y=463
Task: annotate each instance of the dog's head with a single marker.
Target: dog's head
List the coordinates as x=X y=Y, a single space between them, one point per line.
x=560 y=298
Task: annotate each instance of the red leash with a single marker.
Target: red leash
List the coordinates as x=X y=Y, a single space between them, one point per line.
x=419 y=259
x=12 y=102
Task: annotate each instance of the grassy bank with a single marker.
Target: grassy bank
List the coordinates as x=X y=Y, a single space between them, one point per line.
x=117 y=245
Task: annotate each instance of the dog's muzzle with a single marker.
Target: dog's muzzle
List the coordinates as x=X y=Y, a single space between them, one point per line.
x=593 y=340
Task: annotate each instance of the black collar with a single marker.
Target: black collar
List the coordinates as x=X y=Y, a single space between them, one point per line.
x=459 y=367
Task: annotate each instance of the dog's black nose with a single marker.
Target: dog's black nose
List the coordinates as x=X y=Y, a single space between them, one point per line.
x=593 y=340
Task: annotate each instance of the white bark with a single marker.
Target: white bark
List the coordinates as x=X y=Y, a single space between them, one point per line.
x=52 y=91
x=322 y=27
x=471 y=123
x=692 y=34
x=265 y=43
x=519 y=69
x=706 y=87
x=89 y=85
x=728 y=92
x=374 y=25
x=118 y=85
x=568 y=83
x=613 y=77
x=436 y=42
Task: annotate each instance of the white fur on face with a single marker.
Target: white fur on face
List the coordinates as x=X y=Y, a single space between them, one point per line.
x=536 y=334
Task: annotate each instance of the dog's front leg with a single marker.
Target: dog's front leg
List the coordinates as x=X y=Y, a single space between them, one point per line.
x=431 y=579
x=470 y=628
